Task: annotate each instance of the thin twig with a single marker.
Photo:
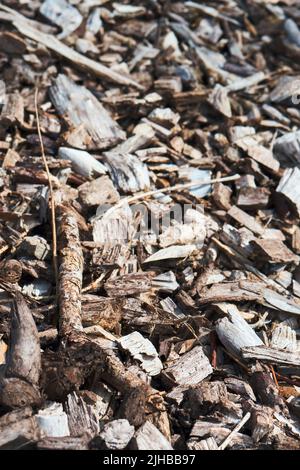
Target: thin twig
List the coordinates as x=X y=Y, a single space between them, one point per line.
x=177 y=187
x=274 y=376
x=234 y=431
x=53 y=220
x=169 y=189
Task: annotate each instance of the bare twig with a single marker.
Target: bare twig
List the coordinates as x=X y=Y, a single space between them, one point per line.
x=234 y=431
x=169 y=189
x=53 y=221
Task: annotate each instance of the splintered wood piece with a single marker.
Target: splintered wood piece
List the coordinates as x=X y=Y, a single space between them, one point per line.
x=82 y=418
x=271 y=355
x=142 y=350
x=19 y=385
x=235 y=431
x=235 y=333
x=79 y=107
x=284 y=338
x=148 y=437
x=127 y=172
x=246 y=220
x=288 y=191
x=189 y=369
x=117 y=434
x=261 y=422
x=70 y=273
x=28 y=28
x=12 y=111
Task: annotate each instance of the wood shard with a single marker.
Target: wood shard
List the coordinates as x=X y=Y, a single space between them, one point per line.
x=79 y=107
x=142 y=350
x=148 y=437
x=190 y=369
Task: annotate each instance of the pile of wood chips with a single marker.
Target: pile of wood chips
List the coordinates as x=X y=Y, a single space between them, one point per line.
x=149 y=224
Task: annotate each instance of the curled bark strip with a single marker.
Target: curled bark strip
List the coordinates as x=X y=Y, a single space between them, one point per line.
x=70 y=274
x=19 y=385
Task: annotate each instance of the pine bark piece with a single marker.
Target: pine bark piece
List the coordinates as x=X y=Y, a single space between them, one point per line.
x=18 y=428
x=189 y=369
x=19 y=385
x=288 y=190
x=28 y=28
x=70 y=273
x=11 y=271
x=259 y=153
x=148 y=437
x=261 y=422
x=235 y=333
x=232 y=292
x=98 y=192
x=143 y=351
x=246 y=220
x=253 y=198
x=79 y=107
x=110 y=255
x=64 y=443
x=239 y=387
x=101 y=311
x=273 y=251
x=201 y=399
x=265 y=388
x=129 y=284
x=221 y=195
x=127 y=172
x=117 y=434
x=271 y=355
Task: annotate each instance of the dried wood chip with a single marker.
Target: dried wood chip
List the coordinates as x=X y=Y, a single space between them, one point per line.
x=142 y=350
x=79 y=107
x=190 y=369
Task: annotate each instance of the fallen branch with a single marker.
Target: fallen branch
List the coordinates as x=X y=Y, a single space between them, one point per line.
x=26 y=27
